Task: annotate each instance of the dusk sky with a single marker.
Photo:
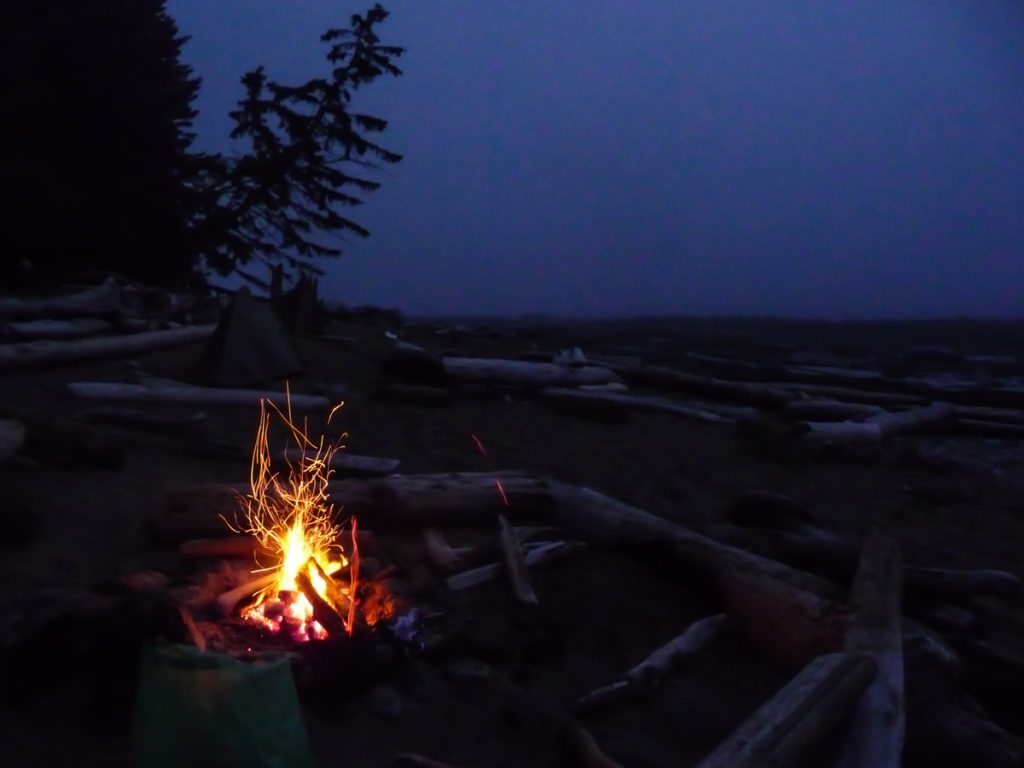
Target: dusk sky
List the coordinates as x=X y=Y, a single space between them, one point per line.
x=605 y=157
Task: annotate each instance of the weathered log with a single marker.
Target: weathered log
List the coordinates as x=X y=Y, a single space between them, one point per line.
x=515 y=563
x=841 y=432
x=633 y=402
x=227 y=602
x=760 y=395
x=825 y=409
x=36 y=353
x=46 y=328
x=537 y=553
x=185 y=393
x=848 y=394
x=875 y=739
x=347 y=464
x=151 y=422
x=787 y=730
x=984 y=414
x=914 y=419
x=101 y=301
x=521 y=374
x=659 y=664
x=440 y=553
x=52 y=441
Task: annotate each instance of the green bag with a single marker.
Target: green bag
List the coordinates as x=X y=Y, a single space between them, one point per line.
x=198 y=709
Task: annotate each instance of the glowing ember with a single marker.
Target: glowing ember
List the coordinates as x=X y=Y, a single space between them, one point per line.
x=292 y=518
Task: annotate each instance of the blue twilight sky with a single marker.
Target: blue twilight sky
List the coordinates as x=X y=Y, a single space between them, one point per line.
x=613 y=157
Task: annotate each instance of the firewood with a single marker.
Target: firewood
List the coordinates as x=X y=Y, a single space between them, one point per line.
x=241 y=547
x=34 y=353
x=440 y=553
x=101 y=301
x=346 y=464
x=323 y=611
x=659 y=664
x=796 y=721
x=515 y=563
x=197 y=637
x=540 y=552
x=519 y=373
x=228 y=601
x=875 y=739
x=335 y=595
x=634 y=402
x=185 y=393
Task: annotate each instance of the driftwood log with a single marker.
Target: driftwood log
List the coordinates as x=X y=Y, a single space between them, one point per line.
x=759 y=395
x=35 y=353
x=101 y=301
x=515 y=563
x=186 y=393
x=136 y=419
x=522 y=374
x=632 y=402
x=875 y=738
x=347 y=464
x=826 y=409
x=876 y=428
x=787 y=730
x=536 y=553
x=659 y=664
x=45 y=328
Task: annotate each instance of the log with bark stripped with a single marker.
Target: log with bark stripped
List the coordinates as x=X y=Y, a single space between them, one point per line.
x=787 y=730
x=522 y=374
x=515 y=563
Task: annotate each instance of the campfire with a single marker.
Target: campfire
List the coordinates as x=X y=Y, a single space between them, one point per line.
x=305 y=582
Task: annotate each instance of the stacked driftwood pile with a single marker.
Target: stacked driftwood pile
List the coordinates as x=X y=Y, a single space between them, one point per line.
x=874 y=643
x=820 y=407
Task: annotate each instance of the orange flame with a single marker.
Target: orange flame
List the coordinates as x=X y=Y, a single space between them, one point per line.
x=293 y=519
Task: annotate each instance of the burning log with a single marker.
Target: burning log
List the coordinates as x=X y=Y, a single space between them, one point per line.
x=634 y=402
x=101 y=301
x=323 y=611
x=228 y=601
x=186 y=393
x=797 y=720
x=875 y=740
x=515 y=563
x=522 y=374
x=540 y=552
x=659 y=664
x=34 y=353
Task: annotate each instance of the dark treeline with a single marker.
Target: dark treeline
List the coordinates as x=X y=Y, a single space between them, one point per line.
x=98 y=156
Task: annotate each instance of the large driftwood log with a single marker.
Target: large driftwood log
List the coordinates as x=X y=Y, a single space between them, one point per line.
x=850 y=395
x=518 y=373
x=101 y=301
x=36 y=353
x=826 y=409
x=787 y=730
x=659 y=664
x=760 y=395
x=633 y=402
x=880 y=426
x=875 y=739
x=185 y=393
x=45 y=328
